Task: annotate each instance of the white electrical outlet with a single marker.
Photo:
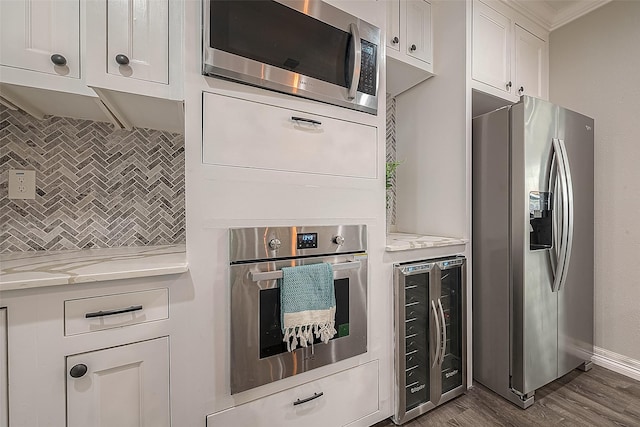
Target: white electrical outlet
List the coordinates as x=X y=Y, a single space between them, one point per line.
x=22 y=184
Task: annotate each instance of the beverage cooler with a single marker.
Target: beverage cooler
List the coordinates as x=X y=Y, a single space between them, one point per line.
x=430 y=334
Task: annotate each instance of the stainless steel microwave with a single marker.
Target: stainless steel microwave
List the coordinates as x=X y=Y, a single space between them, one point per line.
x=306 y=48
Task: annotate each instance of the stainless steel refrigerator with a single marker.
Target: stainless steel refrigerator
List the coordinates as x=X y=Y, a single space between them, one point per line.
x=532 y=247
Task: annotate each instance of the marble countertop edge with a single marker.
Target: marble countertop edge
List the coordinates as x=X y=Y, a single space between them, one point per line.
x=27 y=270
x=408 y=241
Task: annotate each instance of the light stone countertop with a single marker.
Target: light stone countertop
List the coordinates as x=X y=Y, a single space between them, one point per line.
x=404 y=241
x=23 y=270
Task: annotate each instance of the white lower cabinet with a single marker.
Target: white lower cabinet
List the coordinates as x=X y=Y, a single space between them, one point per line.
x=336 y=400
x=126 y=386
x=4 y=385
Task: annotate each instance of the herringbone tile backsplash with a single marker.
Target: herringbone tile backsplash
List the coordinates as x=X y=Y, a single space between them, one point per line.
x=95 y=187
x=391 y=155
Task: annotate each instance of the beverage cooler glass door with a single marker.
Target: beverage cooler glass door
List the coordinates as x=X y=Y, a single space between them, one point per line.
x=415 y=319
x=452 y=301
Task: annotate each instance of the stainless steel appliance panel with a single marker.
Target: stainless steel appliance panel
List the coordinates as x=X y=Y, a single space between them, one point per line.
x=533 y=128
x=575 y=299
x=249 y=244
x=491 y=255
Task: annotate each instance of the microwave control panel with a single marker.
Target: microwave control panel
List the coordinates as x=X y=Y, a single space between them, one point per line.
x=368 y=69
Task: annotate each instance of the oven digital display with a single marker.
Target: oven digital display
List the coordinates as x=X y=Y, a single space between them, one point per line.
x=307 y=240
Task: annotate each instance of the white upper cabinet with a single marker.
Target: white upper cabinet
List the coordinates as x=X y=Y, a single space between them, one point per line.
x=409 y=41
x=491 y=47
x=42 y=36
x=418 y=37
x=138 y=39
x=530 y=74
x=510 y=53
x=134 y=46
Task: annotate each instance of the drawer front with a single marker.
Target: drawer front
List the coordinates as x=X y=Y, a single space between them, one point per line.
x=346 y=397
x=243 y=133
x=113 y=311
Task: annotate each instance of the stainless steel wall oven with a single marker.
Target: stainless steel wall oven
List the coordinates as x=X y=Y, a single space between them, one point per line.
x=258 y=353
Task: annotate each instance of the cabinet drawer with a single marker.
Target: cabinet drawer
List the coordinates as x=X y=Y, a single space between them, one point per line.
x=113 y=311
x=243 y=133
x=346 y=397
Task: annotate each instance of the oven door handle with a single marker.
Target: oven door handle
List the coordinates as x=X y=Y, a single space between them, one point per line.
x=273 y=275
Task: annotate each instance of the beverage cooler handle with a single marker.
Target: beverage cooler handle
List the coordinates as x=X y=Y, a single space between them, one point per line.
x=443 y=349
x=568 y=197
x=436 y=356
x=356 y=49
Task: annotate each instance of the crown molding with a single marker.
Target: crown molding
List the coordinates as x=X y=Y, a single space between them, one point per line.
x=549 y=18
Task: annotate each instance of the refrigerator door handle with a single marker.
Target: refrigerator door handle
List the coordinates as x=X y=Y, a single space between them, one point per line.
x=436 y=356
x=568 y=197
x=562 y=251
x=443 y=349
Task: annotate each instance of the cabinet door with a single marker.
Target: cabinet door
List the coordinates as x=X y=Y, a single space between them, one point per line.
x=451 y=305
x=138 y=39
x=4 y=385
x=491 y=63
x=530 y=65
x=393 y=24
x=33 y=31
x=418 y=18
x=125 y=386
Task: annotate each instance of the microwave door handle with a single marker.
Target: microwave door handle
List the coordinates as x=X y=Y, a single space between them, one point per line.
x=356 y=49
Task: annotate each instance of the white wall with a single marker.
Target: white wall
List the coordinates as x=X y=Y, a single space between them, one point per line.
x=595 y=70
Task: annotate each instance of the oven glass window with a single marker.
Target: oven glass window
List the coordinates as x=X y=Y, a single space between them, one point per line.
x=270 y=328
x=274 y=34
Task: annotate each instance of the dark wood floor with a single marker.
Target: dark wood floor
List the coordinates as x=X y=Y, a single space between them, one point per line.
x=596 y=398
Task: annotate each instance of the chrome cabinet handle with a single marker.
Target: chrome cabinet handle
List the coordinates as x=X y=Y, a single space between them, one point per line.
x=308 y=399
x=436 y=356
x=413 y=48
x=122 y=59
x=395 y=40
x=521 y=90
x=508 y=85
x=357 y=54
x=443 y=349
x=58 y=59
x=112 y=312
x=302 y=119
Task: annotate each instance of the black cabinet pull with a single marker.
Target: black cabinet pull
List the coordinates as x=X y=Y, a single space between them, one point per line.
x=315 y=396
x=122 y=59
x=302 y=119
x=112 y=312
x=78 y=371
x=58 y=59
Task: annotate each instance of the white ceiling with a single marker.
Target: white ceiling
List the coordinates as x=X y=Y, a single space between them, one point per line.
x=553 y=14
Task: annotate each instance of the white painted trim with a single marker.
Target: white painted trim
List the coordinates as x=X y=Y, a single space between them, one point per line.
x=617 y=363
x=544 y=15
x=581 y=9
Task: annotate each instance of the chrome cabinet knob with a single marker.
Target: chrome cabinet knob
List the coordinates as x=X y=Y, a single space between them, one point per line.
x=275 y=244
x=122 y=59
x=508 y=85
x=58 y=59
x=338 y=240
x=521 y=90
x=395 y=40
x=413 y=48
x=78 y=371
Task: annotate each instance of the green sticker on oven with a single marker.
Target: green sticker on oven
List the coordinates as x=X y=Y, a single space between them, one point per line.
x=343 y=330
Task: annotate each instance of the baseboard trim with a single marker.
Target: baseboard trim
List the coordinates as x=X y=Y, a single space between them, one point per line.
x=617 y=363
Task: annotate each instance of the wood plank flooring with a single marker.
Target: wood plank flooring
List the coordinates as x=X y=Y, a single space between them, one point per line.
x=596 y=398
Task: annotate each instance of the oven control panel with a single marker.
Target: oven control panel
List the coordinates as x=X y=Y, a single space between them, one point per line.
x=307 y=240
